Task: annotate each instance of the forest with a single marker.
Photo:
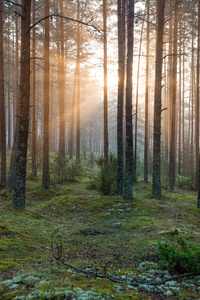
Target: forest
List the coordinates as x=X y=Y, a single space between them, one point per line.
x=99 y=149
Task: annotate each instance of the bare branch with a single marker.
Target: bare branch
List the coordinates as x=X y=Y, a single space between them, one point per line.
x=66 y=18
x=10 y=1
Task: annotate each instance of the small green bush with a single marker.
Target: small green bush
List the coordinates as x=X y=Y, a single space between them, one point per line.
x=64 y=169
x=105 y=182
x=181 y=256
x=185 y=182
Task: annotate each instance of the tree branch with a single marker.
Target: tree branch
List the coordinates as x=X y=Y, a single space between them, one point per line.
x=10 y=1
x=66 y=18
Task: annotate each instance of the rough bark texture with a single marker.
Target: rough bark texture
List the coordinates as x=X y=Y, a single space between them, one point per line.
x=105 y=86
x=2 y=102
x=156 y=188
x=46 y=177
x=34 y=165
x=120 y=107
x=172 y=160
x=21 y=158
x=146 y=140
x=129 y=119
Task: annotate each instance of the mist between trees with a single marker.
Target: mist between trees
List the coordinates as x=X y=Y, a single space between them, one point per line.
x=79 y=77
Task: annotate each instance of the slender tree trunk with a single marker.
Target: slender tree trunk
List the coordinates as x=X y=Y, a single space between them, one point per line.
x=197 y=101
x=146 y=141
x=172 y=162
x=136 y=112
x=156 y=188
x=61 y=84
x=9 y=105
x=197 y=112
x=105 y=86
x=46 y=177
x=180 y=85
x=78 y=155
x=129 y=118
x=21 y=158
x=120 y=107
x=71 y=139
x=2 y=101
x=34 y=165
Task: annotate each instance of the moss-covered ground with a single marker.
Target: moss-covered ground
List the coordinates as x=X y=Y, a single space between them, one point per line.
x=109 y=225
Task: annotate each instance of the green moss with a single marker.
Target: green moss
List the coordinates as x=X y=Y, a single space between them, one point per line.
x=5 y=193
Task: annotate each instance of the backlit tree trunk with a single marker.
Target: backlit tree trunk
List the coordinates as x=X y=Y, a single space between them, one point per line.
x=146 y=142
x=34 y=165
x=46 y=177
x=105 y=86
x=156 y=188
x=2 y=101
x=129 y=118
x=120 y=107
x=172 y=159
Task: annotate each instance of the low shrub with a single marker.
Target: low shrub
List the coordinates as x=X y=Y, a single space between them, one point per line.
x=181 y=256
x=64 y=169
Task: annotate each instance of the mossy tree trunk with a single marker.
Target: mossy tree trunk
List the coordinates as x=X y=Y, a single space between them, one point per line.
x=156 y=188
x=21 y=158
x=129 y=118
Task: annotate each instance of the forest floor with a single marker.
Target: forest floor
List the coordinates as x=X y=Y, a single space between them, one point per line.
x=102 y=234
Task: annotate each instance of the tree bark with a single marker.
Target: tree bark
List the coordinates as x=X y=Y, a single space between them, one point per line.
x=2 y=101
x=172 y=160
x=22 y=146
x=34 y=165
x=120 y=107
x=156 y=188
x=46 y=176
x=78 y=155
x=105 y=86
x=61 y=86
x=146 y=141
x=129 y=119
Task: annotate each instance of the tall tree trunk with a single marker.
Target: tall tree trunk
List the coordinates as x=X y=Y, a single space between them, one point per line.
x=21 y=158
x=78 y=155
x=129 y=118
x=120 y=107
x=172 y=159
x=180 y=85
x=9 y=105
x=197 y=113
x=105 y=86
x=71 y=138
x=61 y=84
x=156 y=188
x=136 y=111
x=34 y=165
x=2 y=101
x=46 y=177
x=197 y=101
x=146 y=141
